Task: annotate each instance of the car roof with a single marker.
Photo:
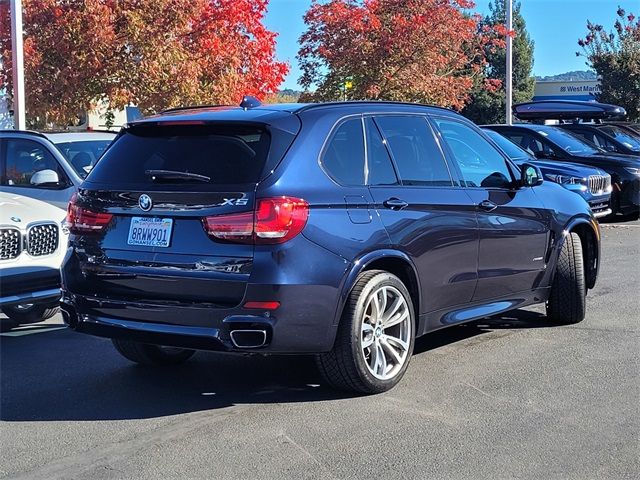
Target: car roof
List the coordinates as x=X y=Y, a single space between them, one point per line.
x=272 y=112
x=72 y=137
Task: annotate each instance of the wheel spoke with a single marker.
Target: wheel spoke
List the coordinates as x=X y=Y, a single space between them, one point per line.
x=383 y=302
x=398 y=302
x=367 y=335
x=397 y=318
x=380 y=361
x=395 y=342
x=391 y=351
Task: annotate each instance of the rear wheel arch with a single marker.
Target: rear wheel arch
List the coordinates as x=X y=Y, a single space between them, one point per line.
x=392 y=261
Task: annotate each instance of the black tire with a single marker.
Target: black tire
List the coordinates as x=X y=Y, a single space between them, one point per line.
x=32 y=314
x=567 y=301
x=154 y=355
x=345 y=367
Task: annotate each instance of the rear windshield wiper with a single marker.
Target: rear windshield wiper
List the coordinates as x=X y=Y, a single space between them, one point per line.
x=176 y=175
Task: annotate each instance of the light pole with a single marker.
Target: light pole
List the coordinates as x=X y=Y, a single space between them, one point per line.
x=17 y=61
x=509 y=70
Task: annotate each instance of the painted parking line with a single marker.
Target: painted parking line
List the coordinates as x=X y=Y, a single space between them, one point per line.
x=21 y=332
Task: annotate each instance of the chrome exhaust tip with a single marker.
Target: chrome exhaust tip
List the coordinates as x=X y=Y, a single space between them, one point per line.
x=249 y=338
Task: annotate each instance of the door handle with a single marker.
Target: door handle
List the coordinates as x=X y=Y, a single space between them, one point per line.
x=395 y=203
x=487 y=205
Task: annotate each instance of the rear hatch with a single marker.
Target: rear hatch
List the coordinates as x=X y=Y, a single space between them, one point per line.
x=144 y=234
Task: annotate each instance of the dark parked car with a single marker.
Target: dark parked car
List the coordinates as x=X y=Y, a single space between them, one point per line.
x=589 y=120
x=592 y=184
x=551 y=142
x=611 y=138
x=343 y=230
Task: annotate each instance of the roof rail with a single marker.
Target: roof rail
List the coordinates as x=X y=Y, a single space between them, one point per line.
x=27 y=132
x=312 y=106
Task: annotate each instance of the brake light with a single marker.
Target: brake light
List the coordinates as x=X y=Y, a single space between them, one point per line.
x=82 y=220
x=275 y=220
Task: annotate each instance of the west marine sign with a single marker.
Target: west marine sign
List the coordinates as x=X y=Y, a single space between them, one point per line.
x=571 y=90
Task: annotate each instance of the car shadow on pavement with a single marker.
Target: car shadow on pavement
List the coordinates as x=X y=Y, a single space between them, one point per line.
x=64 y=376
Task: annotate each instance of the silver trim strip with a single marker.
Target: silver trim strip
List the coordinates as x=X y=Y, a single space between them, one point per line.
x=31 y=297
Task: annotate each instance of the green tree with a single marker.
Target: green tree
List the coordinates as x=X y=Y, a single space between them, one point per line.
x=615 y=56
x=488 y=105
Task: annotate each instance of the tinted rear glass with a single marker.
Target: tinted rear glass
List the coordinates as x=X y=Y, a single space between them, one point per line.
x=344 y=156
x=228 y=155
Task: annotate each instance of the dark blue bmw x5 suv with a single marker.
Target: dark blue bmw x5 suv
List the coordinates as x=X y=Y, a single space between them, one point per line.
x=342 y=230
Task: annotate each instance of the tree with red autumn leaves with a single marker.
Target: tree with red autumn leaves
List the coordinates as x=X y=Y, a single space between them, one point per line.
x=151 y=53
x=410 y=50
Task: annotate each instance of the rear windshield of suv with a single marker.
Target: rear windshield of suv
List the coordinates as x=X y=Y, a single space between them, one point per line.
x=226 y=154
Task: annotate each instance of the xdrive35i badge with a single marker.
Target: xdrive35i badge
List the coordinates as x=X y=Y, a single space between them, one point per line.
x=145 y=202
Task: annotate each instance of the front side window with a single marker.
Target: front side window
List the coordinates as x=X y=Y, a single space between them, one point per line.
x=343 y=158
x=28 y=163
x=415 y=151
x=481 y=164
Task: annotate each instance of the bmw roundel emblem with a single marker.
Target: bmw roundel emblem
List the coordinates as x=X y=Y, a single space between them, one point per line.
x=145 y=202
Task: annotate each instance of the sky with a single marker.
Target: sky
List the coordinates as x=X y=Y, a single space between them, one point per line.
x=554 y=25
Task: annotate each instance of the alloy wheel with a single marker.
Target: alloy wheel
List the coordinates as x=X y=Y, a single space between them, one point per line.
x=385 y=332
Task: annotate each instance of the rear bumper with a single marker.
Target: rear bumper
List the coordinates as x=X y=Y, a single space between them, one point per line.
x=22 y=285
x=309 y=296
x=286 y=330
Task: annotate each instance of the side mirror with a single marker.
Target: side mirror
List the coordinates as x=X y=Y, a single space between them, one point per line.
x=45 y=177
x=530 y=175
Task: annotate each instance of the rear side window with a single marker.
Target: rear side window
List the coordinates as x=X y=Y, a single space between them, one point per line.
x=415 y=151
x=343 y=158
x=228 y=155
x=379 y=162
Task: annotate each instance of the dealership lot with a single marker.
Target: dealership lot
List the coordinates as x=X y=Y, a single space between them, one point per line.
x=504 y=398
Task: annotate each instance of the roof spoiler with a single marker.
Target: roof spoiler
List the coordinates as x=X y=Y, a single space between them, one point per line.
x=567 y=110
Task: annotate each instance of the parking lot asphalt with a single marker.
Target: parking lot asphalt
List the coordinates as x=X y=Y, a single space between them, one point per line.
x=508 y=397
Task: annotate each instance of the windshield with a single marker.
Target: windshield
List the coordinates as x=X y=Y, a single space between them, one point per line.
x=513 y=151
x=567 y=142
x=223 y=154
x=623 y=136
x=83 y=155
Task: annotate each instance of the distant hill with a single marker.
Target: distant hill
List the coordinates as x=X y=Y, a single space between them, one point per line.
x=576 y=75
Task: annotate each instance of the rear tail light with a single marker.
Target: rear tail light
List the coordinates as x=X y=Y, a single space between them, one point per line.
x=82 y=220
x=275 y=220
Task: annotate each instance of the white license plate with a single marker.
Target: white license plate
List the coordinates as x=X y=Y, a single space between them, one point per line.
x=150 y=232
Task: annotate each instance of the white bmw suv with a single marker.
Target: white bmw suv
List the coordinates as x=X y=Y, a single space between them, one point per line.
x=33 y=242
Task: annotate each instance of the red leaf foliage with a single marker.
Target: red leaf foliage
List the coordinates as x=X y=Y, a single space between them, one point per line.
x=410 y=50
x=151 y=53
